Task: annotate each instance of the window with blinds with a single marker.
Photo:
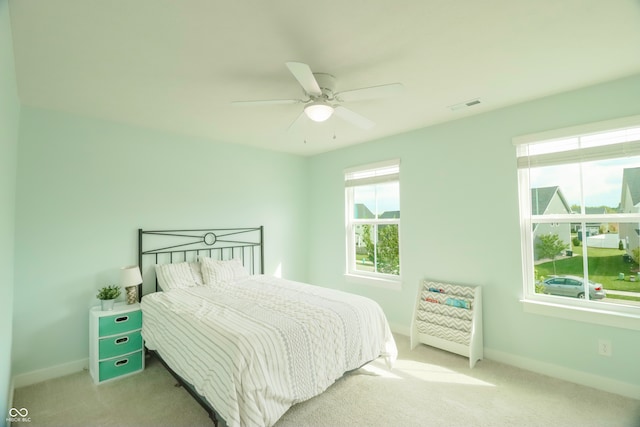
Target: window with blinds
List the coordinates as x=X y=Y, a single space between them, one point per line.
x=579 y=194
x=372 y=195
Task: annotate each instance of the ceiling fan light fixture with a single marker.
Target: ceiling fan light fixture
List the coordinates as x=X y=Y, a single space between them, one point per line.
x=318 y=111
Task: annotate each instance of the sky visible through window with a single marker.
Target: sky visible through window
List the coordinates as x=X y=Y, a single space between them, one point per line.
x=602 y=180
x=388 y=197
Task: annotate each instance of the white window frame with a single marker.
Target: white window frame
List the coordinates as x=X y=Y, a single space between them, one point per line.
x=375 y=173
x=600 y=312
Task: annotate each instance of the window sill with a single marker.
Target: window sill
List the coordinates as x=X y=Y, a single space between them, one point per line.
x=583 y=314
x=395 y=285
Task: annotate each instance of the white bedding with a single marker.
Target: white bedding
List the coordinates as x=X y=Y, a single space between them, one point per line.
x=255 y=347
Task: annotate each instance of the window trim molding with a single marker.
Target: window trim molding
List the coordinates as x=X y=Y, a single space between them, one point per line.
x=382 y=280
x=624 y=316
x=376 y=165
x=618 y=319
x=379 y=282
x=583 y=129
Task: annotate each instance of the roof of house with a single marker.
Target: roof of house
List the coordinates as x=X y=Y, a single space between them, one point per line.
x=362 y=212
x=541 y=197
x=390 y=214
x=631 y=180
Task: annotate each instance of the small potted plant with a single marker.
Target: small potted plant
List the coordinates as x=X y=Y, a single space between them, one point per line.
x=107 y=296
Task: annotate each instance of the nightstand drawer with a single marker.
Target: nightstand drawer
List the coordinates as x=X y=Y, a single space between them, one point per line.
x=119 y=323
x=121 y=344
x=118 y=366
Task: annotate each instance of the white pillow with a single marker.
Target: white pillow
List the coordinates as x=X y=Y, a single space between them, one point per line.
x=197 y=273
x=216 y=271
x=179 y=275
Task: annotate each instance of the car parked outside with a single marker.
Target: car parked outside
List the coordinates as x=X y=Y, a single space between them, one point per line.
x=572 y=286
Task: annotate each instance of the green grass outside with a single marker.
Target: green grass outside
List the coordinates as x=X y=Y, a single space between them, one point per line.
x=604 y=267
x=625 y=297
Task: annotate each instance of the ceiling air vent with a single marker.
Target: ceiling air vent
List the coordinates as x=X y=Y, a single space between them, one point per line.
x=465 y=104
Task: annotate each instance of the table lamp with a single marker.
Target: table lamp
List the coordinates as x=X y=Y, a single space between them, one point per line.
x=130 y=278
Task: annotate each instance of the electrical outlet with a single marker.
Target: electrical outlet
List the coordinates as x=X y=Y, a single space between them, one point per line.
x=604 y=348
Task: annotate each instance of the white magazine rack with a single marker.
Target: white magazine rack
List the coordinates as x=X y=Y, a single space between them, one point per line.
x=449 y=317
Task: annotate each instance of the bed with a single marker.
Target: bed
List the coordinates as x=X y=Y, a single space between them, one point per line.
x=248 y=346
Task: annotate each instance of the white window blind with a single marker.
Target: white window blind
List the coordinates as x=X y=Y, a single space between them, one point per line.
x=611 y=144
x=373 y=174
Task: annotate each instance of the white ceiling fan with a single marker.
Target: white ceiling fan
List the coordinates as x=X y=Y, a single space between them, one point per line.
x=321 y=101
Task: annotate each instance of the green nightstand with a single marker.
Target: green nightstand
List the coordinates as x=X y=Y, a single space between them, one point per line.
x=116 y=347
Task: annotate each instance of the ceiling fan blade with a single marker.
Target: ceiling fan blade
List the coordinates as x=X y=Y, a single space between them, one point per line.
x=353 y=117
x=305 y=77
x=373 y=92
x=266 y=102
x=297 y=121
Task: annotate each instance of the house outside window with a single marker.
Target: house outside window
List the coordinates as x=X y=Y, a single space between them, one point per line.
x=579 y=194
x=372 y=210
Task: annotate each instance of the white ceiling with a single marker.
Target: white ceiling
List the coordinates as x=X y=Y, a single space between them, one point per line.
x=177 y=65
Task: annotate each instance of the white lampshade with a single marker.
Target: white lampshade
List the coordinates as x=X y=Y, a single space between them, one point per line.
x=318 y=111
x=130 y=276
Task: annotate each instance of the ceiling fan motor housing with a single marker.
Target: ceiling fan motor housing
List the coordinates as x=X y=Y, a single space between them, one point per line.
x=327 y=84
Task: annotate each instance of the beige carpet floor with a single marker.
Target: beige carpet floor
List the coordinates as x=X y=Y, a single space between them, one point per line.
x=427 y=387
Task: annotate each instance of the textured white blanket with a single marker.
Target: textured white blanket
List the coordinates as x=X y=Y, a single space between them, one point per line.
x=256 y=347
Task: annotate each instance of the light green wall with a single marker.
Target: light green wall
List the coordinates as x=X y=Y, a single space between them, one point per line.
x=85 y=186
x=460 y=224
x=9 y=118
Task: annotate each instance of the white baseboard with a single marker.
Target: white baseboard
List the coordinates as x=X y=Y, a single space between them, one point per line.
x=40 y=375
x=571 y=375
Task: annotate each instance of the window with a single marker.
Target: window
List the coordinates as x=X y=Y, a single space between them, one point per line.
x=373 y=221
x=579 y=192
